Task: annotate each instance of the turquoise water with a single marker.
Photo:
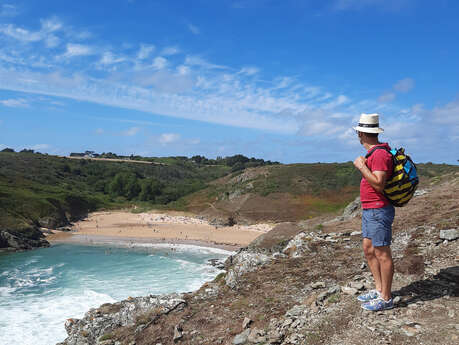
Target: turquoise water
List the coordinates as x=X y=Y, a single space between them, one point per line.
x=42 y=288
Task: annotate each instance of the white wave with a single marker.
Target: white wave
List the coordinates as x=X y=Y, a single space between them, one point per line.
x=186 y=248
x=48 y=316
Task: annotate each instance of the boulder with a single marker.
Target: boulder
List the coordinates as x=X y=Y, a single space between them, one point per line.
x=450 y=234
x=276 y=239
x=22 y=239
x=242 y=338
x=353 y=209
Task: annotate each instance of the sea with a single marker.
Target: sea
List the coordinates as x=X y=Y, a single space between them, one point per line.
x=40 y=289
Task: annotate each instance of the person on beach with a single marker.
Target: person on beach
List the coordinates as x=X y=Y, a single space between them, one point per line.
x=377 y=214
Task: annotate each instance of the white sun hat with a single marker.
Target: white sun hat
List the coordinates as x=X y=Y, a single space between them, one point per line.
x=369 y=123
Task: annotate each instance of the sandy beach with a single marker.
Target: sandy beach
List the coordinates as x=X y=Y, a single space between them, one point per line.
x=154 y=227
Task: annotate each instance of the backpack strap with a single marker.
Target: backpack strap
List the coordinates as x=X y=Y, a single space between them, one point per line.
x=377 y=148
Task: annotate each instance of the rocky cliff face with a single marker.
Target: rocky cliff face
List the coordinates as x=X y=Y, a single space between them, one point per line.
x=12 y=240
x=301 y=288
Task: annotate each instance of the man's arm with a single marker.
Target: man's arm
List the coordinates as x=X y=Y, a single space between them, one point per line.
x=377 y=179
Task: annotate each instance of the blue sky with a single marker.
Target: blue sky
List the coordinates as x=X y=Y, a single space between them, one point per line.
x=280 y=80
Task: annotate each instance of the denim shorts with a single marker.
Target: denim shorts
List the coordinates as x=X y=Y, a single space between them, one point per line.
x=377 y=225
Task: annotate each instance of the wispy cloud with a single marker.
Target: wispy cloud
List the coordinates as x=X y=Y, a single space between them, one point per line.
x=144 y=51
x=15 y=103
x=249 y=70
x=170 y=51
x=40 y=147
x=168 y=138
x=191 y=87
x=131 y=131
x=194 y=29
x=404 y=85
x=159 y=62
x=108 y=58
x=8 y=10
x=193 y=60
x=386 y=97
x=75 y=49
x=346 y=5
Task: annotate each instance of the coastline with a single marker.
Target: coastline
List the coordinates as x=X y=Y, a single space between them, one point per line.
x=121 y=241
x=122 y=228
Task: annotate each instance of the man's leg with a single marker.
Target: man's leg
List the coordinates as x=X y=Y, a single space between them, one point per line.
x=383 y=255
x=373 y=262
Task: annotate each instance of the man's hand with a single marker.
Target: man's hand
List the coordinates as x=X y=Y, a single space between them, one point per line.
x=360 y=162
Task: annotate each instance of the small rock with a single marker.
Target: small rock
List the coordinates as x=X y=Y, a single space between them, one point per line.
x=357 y=285
x=420 y=192
x=397 y=299
x=450 y=234
x=287 y=322
x=334 y=289
x=178 y=333
x=349 y=290
x=257 y=336
x=241 y=338
x=322 y=296
x=318 y=285
x=275 y=337
x=411 y=329
x=246 y=323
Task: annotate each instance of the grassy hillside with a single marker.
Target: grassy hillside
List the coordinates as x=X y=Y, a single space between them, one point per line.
x=49 y=190
x=287 y=192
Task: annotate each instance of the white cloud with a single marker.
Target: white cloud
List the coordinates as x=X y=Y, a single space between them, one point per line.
x=99 y=131
x=183 y=70
x=108 y=58
x=193 y=60
x=145 y=51
x=249 y=70
x=20 y=34
x=168 y=138
x=131 y=131
x=404 y=85
x=386 y=97
x=46 y=33
x=40 y=147
x=159 y=62
x=338 y=101
x=170 y=51
x=194 y=29
x=74 y=49
x=8 y=10
x=447 y=114
x=15 y=103
x=51 y=24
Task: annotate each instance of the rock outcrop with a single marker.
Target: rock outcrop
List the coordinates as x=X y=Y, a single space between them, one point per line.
x=12 y=240
x=97 y=324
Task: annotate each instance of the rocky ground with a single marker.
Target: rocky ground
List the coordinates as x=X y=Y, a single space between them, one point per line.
x=298 y=284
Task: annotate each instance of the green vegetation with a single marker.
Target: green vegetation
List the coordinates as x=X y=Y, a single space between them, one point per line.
x=36 y=188
x=43 y=190
x=106 y=336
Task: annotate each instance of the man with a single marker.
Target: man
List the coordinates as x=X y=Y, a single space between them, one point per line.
x=378 y=213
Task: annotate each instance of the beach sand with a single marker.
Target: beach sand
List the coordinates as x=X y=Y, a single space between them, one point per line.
x=156 y=227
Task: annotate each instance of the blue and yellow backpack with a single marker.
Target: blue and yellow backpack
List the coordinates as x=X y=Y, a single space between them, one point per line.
x=401 y=186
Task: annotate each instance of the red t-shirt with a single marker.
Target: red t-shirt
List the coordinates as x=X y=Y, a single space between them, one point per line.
x=380 y=160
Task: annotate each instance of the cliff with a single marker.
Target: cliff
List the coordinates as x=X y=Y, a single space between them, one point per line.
x=297 y=285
